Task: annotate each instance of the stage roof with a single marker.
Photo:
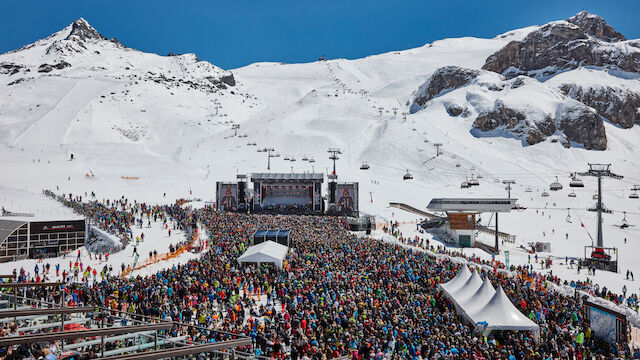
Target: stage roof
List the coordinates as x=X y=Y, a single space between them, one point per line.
x=287 y=177
x=471 y=204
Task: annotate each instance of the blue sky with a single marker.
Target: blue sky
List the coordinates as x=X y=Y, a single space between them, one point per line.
x=236 y=33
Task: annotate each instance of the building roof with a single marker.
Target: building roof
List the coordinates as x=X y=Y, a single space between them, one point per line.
x=287 y=176
x=472 y=204
x=7 y=227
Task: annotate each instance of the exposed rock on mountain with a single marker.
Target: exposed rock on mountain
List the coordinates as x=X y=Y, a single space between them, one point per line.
x=582 y=125
x=595 y=26
x=445 y=78
x=582 y=40
x=522 y=107
x=620 y=106
x=81 y=30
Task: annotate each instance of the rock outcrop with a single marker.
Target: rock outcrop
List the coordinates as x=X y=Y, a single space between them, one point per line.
x=620 y=106
x=582 y=40
x=445 y=78
x=595 y=26
x=583 y=125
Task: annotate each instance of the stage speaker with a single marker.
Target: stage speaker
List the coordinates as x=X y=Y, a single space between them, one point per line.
x=332 y=192
x=242 y=186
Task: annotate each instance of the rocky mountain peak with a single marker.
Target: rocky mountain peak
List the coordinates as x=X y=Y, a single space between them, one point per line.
x=596 y=26
x=80 y=29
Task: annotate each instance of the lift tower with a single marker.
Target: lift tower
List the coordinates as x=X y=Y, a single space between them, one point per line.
x=600 y=171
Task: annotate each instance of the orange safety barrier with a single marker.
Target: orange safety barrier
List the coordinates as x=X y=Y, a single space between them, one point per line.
x=162 y=257
x=129 y=177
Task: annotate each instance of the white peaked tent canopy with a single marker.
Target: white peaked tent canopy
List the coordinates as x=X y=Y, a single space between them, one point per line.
x=457 y=282
x=478 y=299
x=500 y=314
x=265 y=252
x=472 y=284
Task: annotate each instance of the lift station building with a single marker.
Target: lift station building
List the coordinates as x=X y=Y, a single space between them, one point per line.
x=461 y=216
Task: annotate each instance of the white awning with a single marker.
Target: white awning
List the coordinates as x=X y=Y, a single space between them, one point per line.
x=500 y=314
x=457 y=282
x=265 y=252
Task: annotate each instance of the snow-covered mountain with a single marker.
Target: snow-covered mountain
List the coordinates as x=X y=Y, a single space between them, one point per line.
x=527 y=105
x=171 y=121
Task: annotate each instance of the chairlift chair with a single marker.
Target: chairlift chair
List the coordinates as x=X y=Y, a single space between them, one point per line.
x=473 y=182
x=555 y=186
x=312 y=160
x=595 y=196
x=286 y=157
x=528 y=189
x=575 y=182
x=465 y=185
x=634 y=195
x=292 y=159
x=572 y=194
x=364 y=166
x=545 y=194
x=305 y=158
x=407 y=176
x=458 y=165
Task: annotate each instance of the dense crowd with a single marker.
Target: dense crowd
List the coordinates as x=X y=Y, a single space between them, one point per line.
x=341 y=294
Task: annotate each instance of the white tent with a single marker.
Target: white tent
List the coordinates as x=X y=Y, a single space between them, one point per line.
x=472 y=284
x=457 y=282
x=478 y=299
x=265 y=252
x=500 y=314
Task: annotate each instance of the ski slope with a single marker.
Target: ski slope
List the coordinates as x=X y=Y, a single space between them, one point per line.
x=120 y=117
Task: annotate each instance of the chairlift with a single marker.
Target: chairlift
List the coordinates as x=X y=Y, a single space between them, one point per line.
x=292 y=159
x=305 y=158
x=595 y=196
x=473 y=182
x=364 y=166
x=312 y=160
x=479 y=176
x=248 y=144
x=259 y=150
x=545 y=194
x=496 y=180
x=465 y=185
x=634 y=195
x=528 y=189
x=555 y=186
x=276 y=155
x=458 y=165
x=572 y=194
x=254 y=144
x=407 y=176
x=575 y=182
x=286 y=157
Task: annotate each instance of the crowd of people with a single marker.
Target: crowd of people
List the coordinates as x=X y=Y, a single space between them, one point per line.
x=340 y=294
